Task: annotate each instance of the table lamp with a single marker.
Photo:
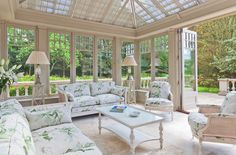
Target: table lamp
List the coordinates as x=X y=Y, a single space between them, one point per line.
x=37 y=58
x=129 y=61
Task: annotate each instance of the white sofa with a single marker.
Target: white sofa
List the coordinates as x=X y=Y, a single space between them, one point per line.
x=16 y=137
x=87 y=96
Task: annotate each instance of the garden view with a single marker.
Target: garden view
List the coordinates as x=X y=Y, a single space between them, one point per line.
x=216 y=54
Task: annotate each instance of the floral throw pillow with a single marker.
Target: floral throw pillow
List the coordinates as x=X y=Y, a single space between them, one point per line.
x=50 y=117
x=118 y=90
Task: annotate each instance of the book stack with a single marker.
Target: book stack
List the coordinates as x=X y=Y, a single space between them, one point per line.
x=118 y=108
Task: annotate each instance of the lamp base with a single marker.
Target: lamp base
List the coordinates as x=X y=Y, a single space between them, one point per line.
x=130 y=77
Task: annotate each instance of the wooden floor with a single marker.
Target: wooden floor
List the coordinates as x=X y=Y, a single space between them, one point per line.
x=177 y=138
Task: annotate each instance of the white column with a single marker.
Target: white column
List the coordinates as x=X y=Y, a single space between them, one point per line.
x=153 y=58
x=95 y=59
x=42 y=44
x=116 y=60
x=174 y=67
x=72 y=59
x=3 y=39
x=137 y=69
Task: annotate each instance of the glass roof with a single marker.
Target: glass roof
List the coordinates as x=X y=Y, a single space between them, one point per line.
x=125 y=13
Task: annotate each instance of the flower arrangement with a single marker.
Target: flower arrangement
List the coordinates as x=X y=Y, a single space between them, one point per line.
x=8 y=75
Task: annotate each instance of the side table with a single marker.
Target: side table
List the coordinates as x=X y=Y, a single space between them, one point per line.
x=38 y=95
x=131 y=95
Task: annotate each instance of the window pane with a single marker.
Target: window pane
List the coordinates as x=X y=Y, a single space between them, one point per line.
x=104 y=59
x=161 y=60
x=127 y=49
x=145 y=59
x=59 y=46
x=84 y=57
x=21 y=42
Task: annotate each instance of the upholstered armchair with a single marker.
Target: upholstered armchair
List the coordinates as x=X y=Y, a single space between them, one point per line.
x=159 y=97
x=215 y=123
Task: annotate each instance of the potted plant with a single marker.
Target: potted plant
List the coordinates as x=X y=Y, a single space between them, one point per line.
x=8 y=75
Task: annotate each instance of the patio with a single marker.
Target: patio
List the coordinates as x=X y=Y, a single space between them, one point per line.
x=73 y=56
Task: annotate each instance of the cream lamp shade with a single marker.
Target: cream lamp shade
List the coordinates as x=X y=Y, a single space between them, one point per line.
x=129 y=61
x=38 y=57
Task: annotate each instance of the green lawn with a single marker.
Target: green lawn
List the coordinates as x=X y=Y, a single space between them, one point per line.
x=208 y=90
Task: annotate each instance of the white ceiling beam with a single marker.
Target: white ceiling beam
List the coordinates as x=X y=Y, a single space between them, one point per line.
x=107 y=9
x=134 y=13
x=145 y=9
x=206 y=11
x=120 y=11
x=159 y=7
x=89 y=9
x=179 y=5
x=74 y=5
x=36 y=18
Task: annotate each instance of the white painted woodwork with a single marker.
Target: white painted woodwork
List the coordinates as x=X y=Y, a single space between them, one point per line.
x=153 y=59
x=116 y=60
x=125 y=128
x=72 y=58
x=42 y=44
x=3 y=40
x=95 y=58
x=174 y=67
x=137 y=69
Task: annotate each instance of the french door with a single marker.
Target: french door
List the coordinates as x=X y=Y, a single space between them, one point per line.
x=189 y=70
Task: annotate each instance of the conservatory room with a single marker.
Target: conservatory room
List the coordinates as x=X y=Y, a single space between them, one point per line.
x=117 y=77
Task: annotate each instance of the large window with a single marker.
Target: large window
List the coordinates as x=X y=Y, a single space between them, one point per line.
x=84 y=57
x=127 y=49
x=104 y=59
x=145 y=59
x=161 y=60
x=21 y=42
x=59 y=46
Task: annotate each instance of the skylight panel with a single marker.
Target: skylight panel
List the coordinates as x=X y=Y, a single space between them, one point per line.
x=171 y=6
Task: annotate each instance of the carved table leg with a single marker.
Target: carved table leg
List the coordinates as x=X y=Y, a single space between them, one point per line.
x=161 y=135
x=132 y=148
x=99 y=123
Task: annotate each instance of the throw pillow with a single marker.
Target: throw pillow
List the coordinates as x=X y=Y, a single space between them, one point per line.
x=50 y=117
x=229 y=104
x=118 y=90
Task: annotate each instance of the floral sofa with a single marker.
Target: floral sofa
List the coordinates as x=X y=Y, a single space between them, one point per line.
x=215 y=123
x=87 y=96
x=41 y=131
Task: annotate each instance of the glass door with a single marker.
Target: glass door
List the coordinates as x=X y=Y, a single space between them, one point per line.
x=189 y=70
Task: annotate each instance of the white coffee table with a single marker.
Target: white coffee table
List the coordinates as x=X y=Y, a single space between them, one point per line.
x=126 y=126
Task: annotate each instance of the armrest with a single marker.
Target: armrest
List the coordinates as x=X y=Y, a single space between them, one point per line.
x=220 y=125
x=170 y=97
x=65 y=96
x=206 y=109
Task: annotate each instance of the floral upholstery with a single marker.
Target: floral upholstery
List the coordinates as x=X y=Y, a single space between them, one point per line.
x=50 y=117
x=159 y=89
x=83 y=101
x=197 y=121
x=158 y=101
x=76 y=89
x=63 y=139
x=229 y=104
x=11 y=106
x=98 y=88
x=109 y=98
x=15 y=134
x=118 y=90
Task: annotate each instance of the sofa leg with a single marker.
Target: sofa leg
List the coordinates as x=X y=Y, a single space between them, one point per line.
x=172 y=116
x=200 y=146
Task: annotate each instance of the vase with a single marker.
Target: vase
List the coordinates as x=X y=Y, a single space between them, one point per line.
x=3 y=95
